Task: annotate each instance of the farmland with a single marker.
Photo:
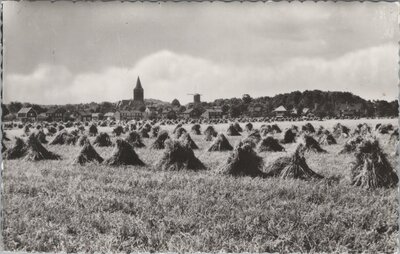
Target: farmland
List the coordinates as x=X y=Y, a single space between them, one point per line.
x=58 y=206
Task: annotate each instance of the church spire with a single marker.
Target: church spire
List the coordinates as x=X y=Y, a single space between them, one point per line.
x=138 y=92
x=138 y=84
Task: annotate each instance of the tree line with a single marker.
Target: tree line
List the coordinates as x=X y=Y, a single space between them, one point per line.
x=321 y=103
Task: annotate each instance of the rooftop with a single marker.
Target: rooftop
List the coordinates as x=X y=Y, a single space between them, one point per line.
x=280 y=109
x=24 y=110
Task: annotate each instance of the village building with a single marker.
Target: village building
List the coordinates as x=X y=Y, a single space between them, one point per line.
x=97 y=116
x=307 y=113
x=196 y=99
x=27 y=115
x=68 y=116
x=294 y=112
x=138 y=99
x=123 y=115
x=280 y=112
x=42 y=117
x=168 y=113
x=190 y=113
x=80 y=115
x=150 y=112
x=56 y=114
x=212 y=114
x=138 y=93
x=137 y=115
x=128 y=115
x=50 y=114
x=84 y=116
x=109 y=116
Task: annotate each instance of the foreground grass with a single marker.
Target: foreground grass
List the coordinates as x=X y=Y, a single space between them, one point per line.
x=55 y=206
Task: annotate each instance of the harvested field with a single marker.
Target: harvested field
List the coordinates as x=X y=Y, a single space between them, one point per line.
x=143 y=208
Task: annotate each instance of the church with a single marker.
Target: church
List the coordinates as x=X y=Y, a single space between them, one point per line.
x=138 y=99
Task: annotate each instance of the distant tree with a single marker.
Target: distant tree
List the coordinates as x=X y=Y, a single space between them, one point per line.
x=4 y=110
x=204 y=104
x=171 y=115
x=71 y=108
x=384 y=108
x=225 y=108
x=326 y=103
x=38 y=108
x=369 y=109
x=14 y=107
x=246 y=98
x=395 y=107
x=142 y=108
x=299 y=110
x=106 y=107
x=320 y=113
x=235 y=111
x=219 y=102
x=324 y=110
x=197 y=111
x=176 y=103
x=182 y=108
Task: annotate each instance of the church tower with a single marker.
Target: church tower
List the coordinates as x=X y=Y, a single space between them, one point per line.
x=138 y=92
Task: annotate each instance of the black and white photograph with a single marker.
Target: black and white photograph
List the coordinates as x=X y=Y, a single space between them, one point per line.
x=212 y=127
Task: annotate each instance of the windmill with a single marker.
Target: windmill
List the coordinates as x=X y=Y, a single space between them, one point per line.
x=196 y=98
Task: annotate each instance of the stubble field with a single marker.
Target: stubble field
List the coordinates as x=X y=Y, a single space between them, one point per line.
x=58 y=206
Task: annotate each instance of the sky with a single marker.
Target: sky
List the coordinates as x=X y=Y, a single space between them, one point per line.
x=64 y=52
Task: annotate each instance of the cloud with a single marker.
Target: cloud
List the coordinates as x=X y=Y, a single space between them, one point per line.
x=93 y=36
x=370 y=73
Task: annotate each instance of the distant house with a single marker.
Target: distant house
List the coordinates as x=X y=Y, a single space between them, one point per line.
x=280 y=111
x=169 y=113
x=70 y=116
x=81 y=116
x=84 y=116
x=42 y=117
x=138 y=115
x=150 y=112
x=294 y=112
x=56 y=114
x=91 y=107
x=305 y=111
x=59 y=115
x=190 y=113
x=109 y=116
x=27 y=115
x=125 y=115
x=97 y=116
x=50 y=114
x=212 y=114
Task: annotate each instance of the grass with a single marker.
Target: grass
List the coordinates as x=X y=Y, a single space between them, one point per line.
x=57 y=206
